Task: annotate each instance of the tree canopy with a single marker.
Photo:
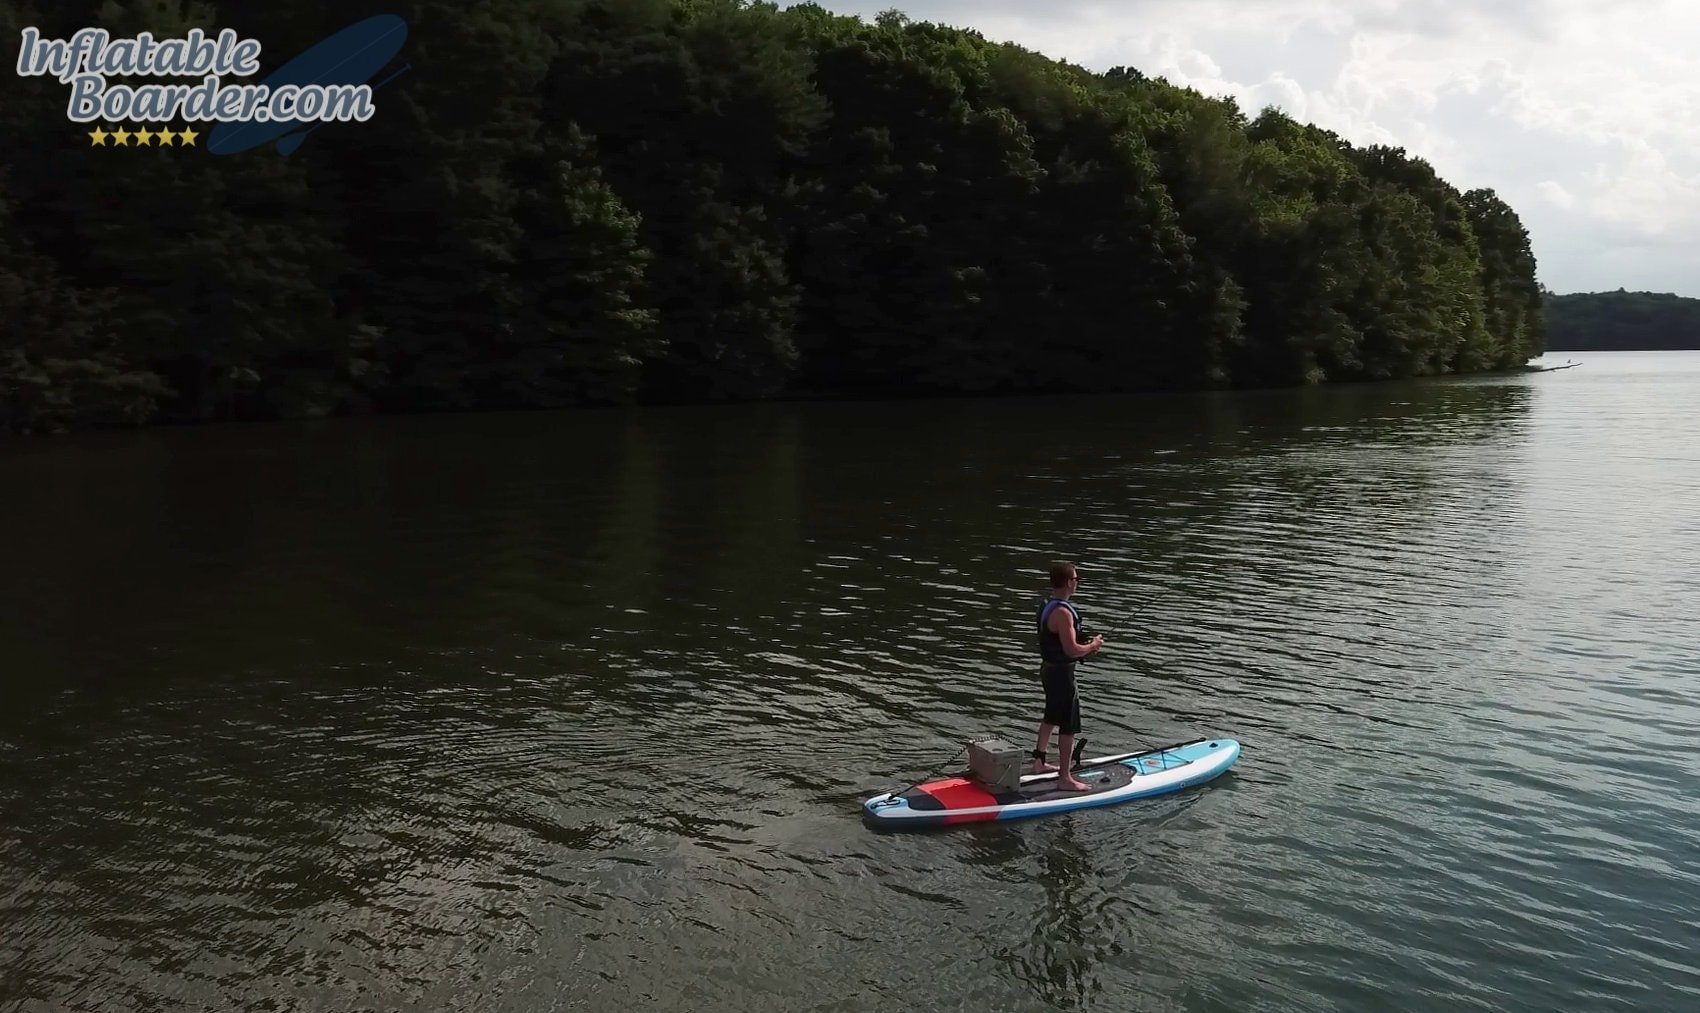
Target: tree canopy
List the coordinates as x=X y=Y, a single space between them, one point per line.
x=1623 y=320
x=581 y=202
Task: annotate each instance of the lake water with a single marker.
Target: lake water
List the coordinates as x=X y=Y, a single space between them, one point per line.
x=575 y=711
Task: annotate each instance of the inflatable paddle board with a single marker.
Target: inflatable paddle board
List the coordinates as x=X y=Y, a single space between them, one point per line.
x=1119 y=778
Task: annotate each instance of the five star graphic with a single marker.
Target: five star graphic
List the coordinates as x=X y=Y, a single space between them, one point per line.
x=100 y=137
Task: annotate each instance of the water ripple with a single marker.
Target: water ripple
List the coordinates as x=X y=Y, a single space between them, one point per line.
x=408 y=716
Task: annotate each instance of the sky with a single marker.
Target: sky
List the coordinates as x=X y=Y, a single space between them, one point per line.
x=1583 y=115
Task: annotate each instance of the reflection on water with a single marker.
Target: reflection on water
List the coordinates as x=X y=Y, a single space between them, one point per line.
x=574 y=711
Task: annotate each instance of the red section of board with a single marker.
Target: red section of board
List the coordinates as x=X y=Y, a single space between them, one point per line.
x=961 y=793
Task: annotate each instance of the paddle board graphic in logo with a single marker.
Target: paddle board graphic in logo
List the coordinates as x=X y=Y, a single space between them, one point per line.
x=325 y=84
x=346 y=60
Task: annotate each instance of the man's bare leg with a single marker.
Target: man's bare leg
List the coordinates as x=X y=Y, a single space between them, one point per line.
x=1066 y=781
x=1039 y=764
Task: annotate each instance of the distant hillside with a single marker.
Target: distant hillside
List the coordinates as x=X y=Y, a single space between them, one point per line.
x=1622 y=320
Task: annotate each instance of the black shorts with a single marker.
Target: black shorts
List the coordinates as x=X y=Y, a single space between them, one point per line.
x=1062 y=698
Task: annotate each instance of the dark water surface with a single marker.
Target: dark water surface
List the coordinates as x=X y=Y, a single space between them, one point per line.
x=575 y=711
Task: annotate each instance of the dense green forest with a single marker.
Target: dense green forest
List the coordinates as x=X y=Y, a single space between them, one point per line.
x=568 y=202
x=1622 y=320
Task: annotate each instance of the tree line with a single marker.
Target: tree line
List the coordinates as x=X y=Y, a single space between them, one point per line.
x=1623 y=320
x=583 y=202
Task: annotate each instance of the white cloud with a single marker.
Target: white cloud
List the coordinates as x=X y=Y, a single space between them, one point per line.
x=1582 y=115
x=1554 y=191
x=1658 y=203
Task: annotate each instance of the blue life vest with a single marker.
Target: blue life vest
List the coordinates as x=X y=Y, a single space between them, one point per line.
x=1050 y=645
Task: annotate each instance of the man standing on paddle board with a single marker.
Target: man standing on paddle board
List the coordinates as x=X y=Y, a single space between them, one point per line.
x=1059 y=649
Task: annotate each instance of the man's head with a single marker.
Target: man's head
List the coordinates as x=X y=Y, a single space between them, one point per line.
x=1064 y=576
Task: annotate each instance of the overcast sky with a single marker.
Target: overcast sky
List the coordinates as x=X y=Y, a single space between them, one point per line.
x=1584 y=115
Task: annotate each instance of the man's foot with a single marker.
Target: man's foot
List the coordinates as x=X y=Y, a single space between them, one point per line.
x=1041 y=767
x=1072 y=783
